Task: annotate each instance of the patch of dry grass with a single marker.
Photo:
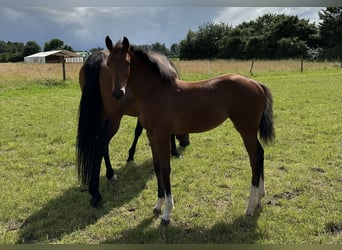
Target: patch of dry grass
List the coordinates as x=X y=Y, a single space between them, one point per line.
x=12 y=72
x=211 y=67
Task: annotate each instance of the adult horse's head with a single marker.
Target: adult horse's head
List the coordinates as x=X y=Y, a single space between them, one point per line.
x=119 y=62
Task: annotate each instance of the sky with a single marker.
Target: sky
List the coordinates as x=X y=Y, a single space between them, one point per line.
x=85 y=27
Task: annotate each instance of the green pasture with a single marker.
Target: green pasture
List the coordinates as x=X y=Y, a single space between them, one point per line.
x=41 y=201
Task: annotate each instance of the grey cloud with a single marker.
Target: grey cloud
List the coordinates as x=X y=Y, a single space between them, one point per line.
x=85 y=27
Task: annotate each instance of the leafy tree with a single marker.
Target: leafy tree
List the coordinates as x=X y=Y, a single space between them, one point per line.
x=330 y=30
x=3 y=47
x=11 y=51
x=292 y=47
x=205 y=43
x=31 y=47
x=271 y=36
x=94 y=50
x=174 y=50
x=67 y=47
x=233 y=44
x=276 y=36
x=56 y=44
x=253 y=46
x=187 y=46
x=158 y=47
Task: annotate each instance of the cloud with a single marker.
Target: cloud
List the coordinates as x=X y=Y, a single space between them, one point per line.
x=86 y=27
x=236 y=15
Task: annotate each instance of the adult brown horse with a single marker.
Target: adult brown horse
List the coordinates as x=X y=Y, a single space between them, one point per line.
x=99 y=120
x=168 y=105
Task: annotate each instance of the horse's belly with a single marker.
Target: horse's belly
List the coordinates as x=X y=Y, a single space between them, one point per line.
x=200 y=120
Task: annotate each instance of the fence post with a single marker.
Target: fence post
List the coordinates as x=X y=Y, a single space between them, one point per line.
x=251 y=69
x=301 y=64
x=63 y=67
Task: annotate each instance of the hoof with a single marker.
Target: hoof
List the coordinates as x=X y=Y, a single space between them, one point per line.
x=83 y=187
x=110 y=173
x=95 y=200
x=156 y=211
x=176 y=155
x=130 y=159
x=113 y=179
x=165 y=222
x=249 y=212
x=184 y=144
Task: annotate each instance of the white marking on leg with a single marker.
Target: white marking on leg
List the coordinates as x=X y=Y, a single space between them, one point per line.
x=160 y=203
x=253 y=200
x=261 y=189
x=114 y=179
x=169 y=206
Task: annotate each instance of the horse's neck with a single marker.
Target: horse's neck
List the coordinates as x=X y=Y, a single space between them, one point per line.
x=142 y=81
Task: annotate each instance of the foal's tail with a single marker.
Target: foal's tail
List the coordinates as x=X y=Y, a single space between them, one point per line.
x=267 y=133
x=89 y=118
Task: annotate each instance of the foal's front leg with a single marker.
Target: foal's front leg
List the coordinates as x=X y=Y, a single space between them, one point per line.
x=161 y=159
x=169 y=204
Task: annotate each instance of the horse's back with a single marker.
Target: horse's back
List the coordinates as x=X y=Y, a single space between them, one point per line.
x=229 y=89
x=214 y=100
x=247 y=101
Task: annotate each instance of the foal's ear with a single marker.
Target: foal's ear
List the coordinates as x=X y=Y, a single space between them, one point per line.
x=109 y=43
x=125 y=44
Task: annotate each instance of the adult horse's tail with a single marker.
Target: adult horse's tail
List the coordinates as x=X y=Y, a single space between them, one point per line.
x=90 y=118
x=266 y=128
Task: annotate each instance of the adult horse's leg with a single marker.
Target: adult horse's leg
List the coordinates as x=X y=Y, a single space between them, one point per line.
x=109 y=169
x=183 y=139
x=174 y=151
x=137 y=132
x=101 y=145
x=102 y=150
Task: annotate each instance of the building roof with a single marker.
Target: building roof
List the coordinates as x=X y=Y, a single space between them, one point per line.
x=64 y=53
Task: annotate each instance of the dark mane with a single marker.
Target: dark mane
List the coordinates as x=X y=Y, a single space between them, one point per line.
x=159 y=64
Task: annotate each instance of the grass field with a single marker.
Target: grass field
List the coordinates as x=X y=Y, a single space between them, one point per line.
x=41 y=201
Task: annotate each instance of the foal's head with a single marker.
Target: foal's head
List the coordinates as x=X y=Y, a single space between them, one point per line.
x=119 y=62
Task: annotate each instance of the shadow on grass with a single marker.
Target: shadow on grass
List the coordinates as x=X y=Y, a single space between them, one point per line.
x=242 y=230
x=72 y=211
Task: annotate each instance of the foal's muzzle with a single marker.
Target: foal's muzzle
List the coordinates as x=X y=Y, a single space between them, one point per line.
x=119 y=94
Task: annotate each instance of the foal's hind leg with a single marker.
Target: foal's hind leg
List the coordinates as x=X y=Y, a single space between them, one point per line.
x=256 y=158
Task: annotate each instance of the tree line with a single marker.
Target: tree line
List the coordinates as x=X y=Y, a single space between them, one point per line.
x=271 y=36
x=16 y=51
